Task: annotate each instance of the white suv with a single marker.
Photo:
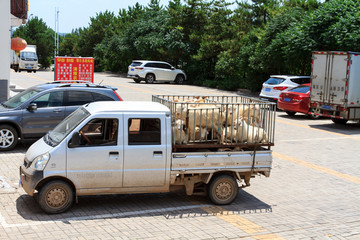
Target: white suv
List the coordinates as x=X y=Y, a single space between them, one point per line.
x=151 y=71
x=272 y=88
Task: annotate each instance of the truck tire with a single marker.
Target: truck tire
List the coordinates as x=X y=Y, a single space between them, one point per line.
x=339 y=121
x=8 y=137
x=150 y=78
x=223 y=189
x=137 y=80
x=56 y=197
x=179 y=79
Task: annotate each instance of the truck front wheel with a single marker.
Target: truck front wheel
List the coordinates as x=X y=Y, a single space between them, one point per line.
x=56 y=197
x=223 y=190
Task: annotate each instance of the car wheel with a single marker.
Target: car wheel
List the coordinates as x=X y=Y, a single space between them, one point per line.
x=137 y=80
x=290 y=113
x=34 y=71
x=28 y=71
x=56 y=197
x=312 y=116
x=150 y=78
x=339 y=121
x=223 y=189
x=8 y=137
x=179 y=79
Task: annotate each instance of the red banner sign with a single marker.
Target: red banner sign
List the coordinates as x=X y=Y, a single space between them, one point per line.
x=73 y=68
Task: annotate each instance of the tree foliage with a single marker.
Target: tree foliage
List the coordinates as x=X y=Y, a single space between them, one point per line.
x=217 y=45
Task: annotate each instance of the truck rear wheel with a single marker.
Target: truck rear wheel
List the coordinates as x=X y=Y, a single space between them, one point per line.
x=223 y=189
x=56 y=197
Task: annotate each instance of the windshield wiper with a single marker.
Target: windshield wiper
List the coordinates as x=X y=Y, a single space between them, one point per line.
x=48 y=140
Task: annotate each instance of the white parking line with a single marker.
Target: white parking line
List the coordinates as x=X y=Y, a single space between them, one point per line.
x=102 y=216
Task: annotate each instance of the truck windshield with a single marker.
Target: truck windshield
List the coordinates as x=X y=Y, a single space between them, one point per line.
x=63 y=129
x=20 y=98
x=28 y=56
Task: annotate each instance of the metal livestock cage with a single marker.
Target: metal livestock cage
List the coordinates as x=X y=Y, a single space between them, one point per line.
x=214 y=122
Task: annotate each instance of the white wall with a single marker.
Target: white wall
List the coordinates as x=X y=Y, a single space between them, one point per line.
x=4 y=49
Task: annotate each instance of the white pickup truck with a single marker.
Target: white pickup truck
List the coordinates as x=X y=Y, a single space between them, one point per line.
x=132 y=147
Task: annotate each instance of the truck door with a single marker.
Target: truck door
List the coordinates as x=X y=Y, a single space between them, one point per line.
x=144 y=150
x=98 y=161
x=329 y=77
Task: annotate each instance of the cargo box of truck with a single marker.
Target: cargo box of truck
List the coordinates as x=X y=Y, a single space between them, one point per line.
x=335 y=85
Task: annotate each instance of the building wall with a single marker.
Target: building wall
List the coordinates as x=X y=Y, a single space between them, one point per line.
x=4 y=49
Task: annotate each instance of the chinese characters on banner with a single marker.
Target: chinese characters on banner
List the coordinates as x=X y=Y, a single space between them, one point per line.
x=73 y=68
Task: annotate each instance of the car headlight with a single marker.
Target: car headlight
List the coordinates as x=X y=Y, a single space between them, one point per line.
x=40 y=162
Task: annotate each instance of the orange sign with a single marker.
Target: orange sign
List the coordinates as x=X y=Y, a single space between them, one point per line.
x=73 y=68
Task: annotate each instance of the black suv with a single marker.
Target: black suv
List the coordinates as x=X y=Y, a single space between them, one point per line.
x=33 y=112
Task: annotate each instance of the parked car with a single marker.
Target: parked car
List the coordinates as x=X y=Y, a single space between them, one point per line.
x=33 y=112
x=272 y=88
x=151 y=71
x=296 y=100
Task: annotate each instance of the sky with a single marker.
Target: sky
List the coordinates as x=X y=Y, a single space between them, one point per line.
x=76 y=13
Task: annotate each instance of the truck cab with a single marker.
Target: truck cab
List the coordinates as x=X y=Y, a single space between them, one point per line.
x=123 y=147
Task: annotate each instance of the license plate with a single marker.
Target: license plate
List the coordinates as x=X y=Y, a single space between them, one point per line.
x=287 y=99
x=132 y=69
x=29 y=67
x=326 y=107
x=267 y=89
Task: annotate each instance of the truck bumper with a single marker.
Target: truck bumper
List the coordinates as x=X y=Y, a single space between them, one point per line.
x=29 y=178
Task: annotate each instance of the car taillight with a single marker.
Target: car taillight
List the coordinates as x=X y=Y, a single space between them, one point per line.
x=297 y=98
x=139 y=68
x=280 y=88
x=117 y=95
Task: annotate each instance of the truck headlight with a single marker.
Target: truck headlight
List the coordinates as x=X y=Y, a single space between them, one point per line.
x=40 y=162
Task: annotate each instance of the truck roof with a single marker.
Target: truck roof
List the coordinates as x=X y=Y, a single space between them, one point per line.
x=126 y=106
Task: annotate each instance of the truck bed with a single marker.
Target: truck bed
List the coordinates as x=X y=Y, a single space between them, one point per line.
x=219 y=122
x=211 y=162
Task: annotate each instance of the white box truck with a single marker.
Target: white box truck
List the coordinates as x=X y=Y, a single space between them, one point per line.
x=146 y=147
x=335 y=85
x=25 y=60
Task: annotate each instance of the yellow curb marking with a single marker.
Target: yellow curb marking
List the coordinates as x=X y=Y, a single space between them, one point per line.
x=317 y=167
x=320 y=130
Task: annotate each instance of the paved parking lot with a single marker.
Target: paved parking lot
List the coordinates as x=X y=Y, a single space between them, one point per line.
x=313 y=193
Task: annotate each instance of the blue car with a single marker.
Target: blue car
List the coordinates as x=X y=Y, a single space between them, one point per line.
x=32 y=113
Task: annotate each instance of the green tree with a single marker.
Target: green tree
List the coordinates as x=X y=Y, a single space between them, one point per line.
x=36 y=32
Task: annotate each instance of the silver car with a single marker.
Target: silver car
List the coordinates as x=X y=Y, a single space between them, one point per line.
x=151 y=71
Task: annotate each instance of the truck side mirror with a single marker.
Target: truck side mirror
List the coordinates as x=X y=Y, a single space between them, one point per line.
x=32 y=107
x=75 y=140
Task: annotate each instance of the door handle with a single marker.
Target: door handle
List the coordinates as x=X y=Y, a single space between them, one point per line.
x=57 y=110
x=113 y=153
x=157 y=153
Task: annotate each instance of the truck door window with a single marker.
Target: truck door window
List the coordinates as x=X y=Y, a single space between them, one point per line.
x=144 y=131
x=100 y=132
